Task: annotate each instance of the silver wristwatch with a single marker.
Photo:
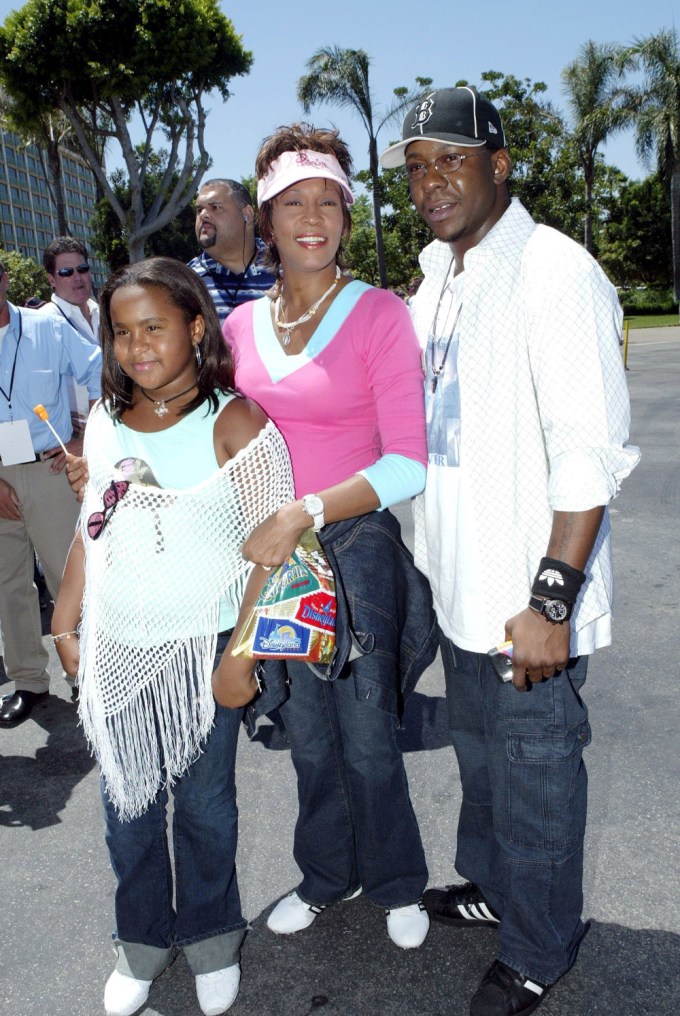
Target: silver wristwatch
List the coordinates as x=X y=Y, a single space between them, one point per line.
x=314 y=507
x=555 y=611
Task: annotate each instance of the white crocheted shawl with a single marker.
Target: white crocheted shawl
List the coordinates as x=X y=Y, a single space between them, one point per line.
x=154 y=581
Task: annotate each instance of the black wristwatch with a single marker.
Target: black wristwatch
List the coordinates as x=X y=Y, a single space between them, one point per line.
x=555 y=611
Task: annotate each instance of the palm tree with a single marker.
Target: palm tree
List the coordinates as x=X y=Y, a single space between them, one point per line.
x=656 y=105
x=593 y=95
x=340 y=76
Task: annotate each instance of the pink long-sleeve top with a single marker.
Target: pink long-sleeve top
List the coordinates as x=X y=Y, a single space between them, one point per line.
x=354 y=394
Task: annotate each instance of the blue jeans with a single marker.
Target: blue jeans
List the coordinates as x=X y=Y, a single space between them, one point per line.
x=356 y=824
x=206 y=919
x=523 y=816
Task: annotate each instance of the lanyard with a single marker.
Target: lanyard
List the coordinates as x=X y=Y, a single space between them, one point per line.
x=8 y=395
x=73 y=325
x=231 y=292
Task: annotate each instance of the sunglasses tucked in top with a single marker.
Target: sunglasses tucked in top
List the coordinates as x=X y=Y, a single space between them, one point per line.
x=445 y=164
x=112 y=495
x=66 y=273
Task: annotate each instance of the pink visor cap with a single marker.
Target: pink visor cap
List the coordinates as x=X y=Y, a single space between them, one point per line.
x=291 y=167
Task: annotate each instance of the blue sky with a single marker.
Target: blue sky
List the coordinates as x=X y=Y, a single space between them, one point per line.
x=433 y=38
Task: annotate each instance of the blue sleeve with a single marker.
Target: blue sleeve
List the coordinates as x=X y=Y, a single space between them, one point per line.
x=84 y=359
x=395 y=478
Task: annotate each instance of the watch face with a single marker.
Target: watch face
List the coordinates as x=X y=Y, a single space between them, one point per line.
x=313 y=505
x=555 y=610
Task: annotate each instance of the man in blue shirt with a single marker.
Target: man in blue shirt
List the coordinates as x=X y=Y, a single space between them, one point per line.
x=232 y=263
x=38 y=354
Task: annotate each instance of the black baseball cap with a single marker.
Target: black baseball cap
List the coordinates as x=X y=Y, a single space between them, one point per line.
x=457 y=116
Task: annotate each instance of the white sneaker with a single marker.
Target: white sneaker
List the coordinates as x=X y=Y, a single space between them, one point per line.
x=124 y=995
x=408 y=926
x=217 y=991
x=292 y=914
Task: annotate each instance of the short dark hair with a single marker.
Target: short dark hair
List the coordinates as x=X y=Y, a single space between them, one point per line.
x=238 y=191
x=186 y=291
x=62 y=245
x=299 y=137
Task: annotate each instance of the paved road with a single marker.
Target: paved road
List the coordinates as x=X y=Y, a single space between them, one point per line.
x=56 y=886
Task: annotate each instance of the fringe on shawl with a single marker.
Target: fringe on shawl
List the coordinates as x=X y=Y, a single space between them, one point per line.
x=158 y=733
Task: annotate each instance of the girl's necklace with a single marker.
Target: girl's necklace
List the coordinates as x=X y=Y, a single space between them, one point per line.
x=161 y=404
x=288 y=326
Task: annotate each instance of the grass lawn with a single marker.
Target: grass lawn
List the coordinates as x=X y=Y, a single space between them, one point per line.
x=652 y=320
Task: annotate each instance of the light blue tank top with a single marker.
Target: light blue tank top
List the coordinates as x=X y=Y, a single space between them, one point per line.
x=181 y=456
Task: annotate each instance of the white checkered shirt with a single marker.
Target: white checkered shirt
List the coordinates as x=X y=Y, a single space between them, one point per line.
x=544 y=409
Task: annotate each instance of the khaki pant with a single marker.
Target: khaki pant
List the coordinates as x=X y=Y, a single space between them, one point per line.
x=50 y=512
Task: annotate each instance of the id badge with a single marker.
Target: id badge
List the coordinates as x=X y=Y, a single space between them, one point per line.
x=15 y=443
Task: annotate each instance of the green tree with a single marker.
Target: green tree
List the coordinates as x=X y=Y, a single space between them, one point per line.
x=633 y=237
x=544 y=168
x=405 y=232
x=591 y=83
x=26 y=278
x=110 y=241
x=360 y=248
x=656 y=106
x=106 y=63
x=341 y=77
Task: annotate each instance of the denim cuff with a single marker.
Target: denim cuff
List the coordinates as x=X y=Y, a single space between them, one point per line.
x=214 y=953
x=144 y=962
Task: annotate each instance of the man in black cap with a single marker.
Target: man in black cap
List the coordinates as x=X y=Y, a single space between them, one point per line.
x=528 y=416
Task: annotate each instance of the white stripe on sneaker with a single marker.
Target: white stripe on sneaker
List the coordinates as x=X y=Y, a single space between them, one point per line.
x=532 y=986
x=487 y=913
x=476 y=912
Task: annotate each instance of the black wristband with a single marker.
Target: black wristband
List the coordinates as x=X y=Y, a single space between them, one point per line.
x=556 y=580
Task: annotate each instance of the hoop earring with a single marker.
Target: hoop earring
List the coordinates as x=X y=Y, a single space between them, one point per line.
x=197 y=354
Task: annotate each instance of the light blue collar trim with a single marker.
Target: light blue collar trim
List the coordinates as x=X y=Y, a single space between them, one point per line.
x=280 y=366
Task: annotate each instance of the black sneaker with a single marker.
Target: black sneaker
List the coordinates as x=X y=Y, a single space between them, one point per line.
x=460 y=905
x=504 y=992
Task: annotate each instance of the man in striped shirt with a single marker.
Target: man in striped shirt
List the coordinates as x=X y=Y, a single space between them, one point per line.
x=231 y=263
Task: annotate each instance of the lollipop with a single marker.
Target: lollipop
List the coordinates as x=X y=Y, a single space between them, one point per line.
x=40 y=411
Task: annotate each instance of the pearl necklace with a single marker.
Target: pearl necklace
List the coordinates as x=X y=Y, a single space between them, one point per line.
x=288 y=326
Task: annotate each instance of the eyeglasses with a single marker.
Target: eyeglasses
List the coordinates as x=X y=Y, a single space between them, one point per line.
x=66 y=273
x=445 y=165
x=112 y=495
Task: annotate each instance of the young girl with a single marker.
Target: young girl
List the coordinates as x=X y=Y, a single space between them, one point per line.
x=180 y=471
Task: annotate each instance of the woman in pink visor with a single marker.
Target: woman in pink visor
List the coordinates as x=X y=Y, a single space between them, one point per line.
x=336 y=364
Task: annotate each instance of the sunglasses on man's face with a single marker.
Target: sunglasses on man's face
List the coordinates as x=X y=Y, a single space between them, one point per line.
x=66 y=273
x=112 y=495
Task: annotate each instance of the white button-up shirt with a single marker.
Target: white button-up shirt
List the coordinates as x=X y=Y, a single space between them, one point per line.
x=75 y=317
x=544 y=420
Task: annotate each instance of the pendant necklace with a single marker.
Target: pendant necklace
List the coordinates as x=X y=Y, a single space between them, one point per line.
x=288 y=326
x=161 y=404
x=436 y=371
